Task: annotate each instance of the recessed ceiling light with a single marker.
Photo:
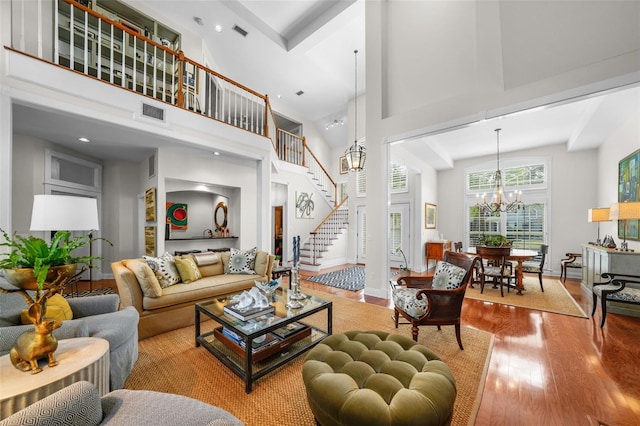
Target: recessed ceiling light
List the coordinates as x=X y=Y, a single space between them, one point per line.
x=198 y=20
x=83 y=139
x=216 y=153
x=218 y=28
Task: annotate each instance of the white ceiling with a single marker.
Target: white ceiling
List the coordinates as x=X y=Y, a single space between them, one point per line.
x=308 y=45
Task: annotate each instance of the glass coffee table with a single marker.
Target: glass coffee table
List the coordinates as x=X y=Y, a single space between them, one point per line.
x=258 y=346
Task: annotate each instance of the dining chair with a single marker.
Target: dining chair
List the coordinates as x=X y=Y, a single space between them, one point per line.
x=536 y=266
x=572 y=260
x=435 y=300
x=457 y=246
x=494 y=264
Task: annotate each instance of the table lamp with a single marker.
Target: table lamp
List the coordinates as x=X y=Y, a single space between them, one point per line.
x=625 y=211
x=599 y=215
x=65 y=213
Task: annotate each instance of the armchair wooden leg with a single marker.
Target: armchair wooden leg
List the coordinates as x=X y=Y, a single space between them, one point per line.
x=458 y=336
x=595 y=304
x=414 y=332
x=540 y=279
x=563 y=273
x=603 y=308
x=395 y=316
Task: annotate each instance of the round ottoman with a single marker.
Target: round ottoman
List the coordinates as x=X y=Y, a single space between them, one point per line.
x=377 y=378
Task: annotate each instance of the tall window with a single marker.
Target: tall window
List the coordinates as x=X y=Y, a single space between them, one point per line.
x=398 y=181
x=526 y=227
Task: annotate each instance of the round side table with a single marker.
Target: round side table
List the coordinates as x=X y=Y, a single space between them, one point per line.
x=82 y=358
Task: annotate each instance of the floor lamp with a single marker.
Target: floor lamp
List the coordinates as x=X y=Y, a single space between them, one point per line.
x=599 y=215
x=625 y=211
x=65 y=213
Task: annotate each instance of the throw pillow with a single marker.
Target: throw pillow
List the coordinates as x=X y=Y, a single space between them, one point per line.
x=447 y=276
x=203 y=259
x=188 y=269
x=146 y=278
x=57 y=308
x=242 y=262
x=164 y=268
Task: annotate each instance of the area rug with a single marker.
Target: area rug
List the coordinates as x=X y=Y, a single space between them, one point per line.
x=170 y=362
x=352 y=278
x=93 y=292
x=555 y=297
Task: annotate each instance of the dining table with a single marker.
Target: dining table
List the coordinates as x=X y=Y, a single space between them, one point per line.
x=517 y=255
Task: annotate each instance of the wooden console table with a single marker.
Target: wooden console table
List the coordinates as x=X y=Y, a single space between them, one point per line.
x=82 y=358
x=435 y=250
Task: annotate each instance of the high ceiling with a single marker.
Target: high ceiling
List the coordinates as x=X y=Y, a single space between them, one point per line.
x=307 y=45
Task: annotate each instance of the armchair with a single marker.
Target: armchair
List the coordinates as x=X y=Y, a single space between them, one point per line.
x=435 y=300
x=615 y=289
x=94 y=316
x=572 y=260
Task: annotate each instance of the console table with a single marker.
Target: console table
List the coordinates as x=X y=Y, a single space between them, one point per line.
x=82 y=358
x=435 y=250
x=597 y=260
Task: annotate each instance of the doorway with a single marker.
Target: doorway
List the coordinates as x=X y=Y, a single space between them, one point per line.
x=277 y=232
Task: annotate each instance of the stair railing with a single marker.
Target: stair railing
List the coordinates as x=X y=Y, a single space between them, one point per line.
x=320 y=175
x=332 y=224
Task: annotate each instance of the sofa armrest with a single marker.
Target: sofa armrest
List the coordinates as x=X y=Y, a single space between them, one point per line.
x=68 y=330
x=128 y=286
x=77 y=404
x=94 y=305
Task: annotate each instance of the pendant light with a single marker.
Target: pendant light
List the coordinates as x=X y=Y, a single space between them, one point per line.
x=355 y=154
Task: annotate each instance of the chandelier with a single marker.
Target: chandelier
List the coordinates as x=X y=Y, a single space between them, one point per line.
x=333 y=124
x=499 y=202
x=355 y=154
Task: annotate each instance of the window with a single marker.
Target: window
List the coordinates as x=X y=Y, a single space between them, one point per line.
x=361 y=183
x=526 y=227
x=398 y=178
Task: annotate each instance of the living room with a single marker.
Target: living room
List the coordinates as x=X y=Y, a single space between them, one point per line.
x=183 y=141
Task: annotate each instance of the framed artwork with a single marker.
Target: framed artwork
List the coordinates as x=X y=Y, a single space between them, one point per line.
x=190 y=77
x=150 y=205
x=344 y=167
x=629 y=190
x=177 y=216
x=150 y=240
x=430 y=216
x=304 y=205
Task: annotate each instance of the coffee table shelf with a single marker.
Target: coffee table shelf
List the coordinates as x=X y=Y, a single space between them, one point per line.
x=244 y=362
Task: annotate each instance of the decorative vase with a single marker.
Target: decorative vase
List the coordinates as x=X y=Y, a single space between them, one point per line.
x=23 y=277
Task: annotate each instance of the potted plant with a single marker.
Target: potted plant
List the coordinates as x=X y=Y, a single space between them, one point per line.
x=32 y=262
x=494 y=241
x=277 y=256
x=403 y=266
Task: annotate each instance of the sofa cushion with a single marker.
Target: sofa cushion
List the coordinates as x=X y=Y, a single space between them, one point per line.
x=146 y=278
x=187 y=269
x=57 y=308
x=242 y=261
x=165 y=269
x=203 y=259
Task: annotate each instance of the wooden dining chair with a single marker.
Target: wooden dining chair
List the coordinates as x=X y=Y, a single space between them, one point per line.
x=536 y=266
x=571 y=260
x=494 y=266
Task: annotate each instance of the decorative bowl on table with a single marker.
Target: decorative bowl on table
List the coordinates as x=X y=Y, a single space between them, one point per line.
x=269 y=287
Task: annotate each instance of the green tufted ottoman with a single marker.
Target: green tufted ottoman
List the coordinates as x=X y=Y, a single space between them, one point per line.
x=377 y=378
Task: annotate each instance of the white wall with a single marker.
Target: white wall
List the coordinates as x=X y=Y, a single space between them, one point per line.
x=622 y=143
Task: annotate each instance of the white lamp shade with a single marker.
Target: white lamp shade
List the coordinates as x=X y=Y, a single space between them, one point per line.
x=64 y=213
x=623 y=211
x=599 y=215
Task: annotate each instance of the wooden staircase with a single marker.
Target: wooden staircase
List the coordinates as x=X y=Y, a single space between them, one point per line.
x=314 y=251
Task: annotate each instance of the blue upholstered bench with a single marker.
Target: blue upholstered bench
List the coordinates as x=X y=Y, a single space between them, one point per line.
x=616 y=290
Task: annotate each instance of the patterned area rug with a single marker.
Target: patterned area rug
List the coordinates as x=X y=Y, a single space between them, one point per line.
x=93 y=292
x=347 y=279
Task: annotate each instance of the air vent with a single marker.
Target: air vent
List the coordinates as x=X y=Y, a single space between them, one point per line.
x=239 y=30
x=152 y=112
x=299 y=93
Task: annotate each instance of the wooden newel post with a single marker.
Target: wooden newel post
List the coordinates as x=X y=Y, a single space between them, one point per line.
x=266 y=116
x=304 y=151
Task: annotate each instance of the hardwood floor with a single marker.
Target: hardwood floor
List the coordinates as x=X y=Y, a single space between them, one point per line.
x=547 y=369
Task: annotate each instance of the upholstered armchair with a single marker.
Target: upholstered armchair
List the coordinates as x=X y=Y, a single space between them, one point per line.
x=435 y=300
x=93 y=316
x=615 y=289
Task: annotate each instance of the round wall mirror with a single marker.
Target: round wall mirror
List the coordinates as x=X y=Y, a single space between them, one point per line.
x=220 y=215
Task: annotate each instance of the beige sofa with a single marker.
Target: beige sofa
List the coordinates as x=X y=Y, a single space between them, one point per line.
x=170 y=308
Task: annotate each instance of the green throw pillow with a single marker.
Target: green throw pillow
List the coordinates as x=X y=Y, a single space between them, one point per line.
x=188 y=269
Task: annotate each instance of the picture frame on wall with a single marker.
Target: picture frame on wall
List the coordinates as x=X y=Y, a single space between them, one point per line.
x=629 y=190
x=150 y=205
x=430 y=216
x=344 y=166
x=150 y=240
